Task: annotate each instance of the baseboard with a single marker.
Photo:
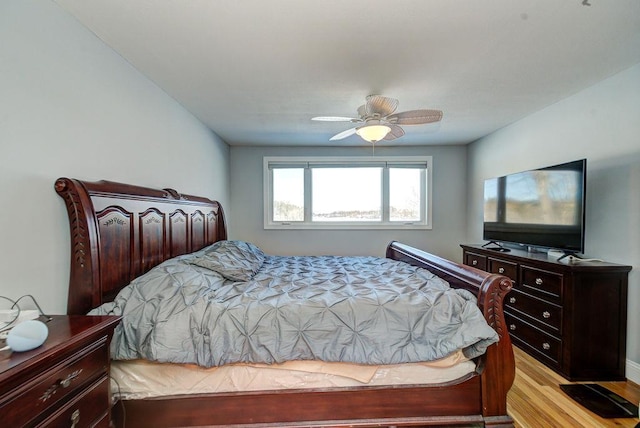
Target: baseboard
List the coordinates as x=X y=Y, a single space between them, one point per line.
x=633 y=371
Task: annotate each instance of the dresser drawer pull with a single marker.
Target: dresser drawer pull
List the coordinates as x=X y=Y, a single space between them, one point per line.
x=75 y=418
x=512 y=300
x=500 y=270
x=512 y=327
x=474 y=262
x=546 y=346
x=546 y=315
x=538 y=281
x=64 y=383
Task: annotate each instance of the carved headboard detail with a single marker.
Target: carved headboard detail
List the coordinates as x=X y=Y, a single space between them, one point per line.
x=119 y=231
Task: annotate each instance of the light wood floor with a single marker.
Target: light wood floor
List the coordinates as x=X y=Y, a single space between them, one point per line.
x=536 y=400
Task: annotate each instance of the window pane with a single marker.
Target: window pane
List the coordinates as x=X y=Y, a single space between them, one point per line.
x=404 y=194
x=288 y=194
x=346 y=194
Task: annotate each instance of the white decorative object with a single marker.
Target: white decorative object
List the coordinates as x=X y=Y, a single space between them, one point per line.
x=27 y=335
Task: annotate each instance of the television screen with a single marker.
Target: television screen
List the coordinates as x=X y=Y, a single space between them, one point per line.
x=541 y=208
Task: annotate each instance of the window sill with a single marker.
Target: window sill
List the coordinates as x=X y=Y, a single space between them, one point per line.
x=350 y=226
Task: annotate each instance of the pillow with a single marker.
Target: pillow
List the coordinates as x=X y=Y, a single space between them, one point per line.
x=234 y=260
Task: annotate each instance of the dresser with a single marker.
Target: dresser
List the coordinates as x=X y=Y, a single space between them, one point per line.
x=571 y=316
x=65 y=381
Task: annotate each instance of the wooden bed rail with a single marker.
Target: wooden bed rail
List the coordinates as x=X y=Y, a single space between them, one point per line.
x=497 y=366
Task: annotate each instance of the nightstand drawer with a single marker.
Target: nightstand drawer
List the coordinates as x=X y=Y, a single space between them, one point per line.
x=56 y=385
x=85 y=410
x=541 y=311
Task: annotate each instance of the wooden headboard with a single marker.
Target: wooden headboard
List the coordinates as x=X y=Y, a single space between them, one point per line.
x=119 y=231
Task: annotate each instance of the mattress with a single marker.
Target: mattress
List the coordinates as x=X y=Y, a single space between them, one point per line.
x=138 y=379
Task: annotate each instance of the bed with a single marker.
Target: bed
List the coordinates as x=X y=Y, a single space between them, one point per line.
x=120 y=232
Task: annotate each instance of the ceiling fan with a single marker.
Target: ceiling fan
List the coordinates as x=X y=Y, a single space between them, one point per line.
x=380 y=121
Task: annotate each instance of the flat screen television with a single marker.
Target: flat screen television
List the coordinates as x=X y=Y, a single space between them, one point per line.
x=540 y=208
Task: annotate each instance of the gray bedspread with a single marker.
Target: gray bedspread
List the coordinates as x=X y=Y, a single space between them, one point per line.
x=232 y=303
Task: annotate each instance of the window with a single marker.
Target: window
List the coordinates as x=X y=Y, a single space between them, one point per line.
x=347 y=193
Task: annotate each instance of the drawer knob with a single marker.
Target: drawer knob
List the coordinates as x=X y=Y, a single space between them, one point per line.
x=546 y=346
x=75 y=418
x=474 y=262
x=512 y=327
x=546 y=315
x=512 y=300
x=500 y=270
x=538 y=281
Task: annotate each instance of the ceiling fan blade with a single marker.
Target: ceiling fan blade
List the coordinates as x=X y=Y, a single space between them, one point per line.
x=335 y=119
x=396 y=132
x=343 y=134
x=383 y=106
x=415 y=117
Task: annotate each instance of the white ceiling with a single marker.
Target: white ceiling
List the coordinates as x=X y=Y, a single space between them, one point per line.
x=256 y=71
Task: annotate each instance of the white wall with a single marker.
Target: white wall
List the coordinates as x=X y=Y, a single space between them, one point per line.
x=601 y=124
x=72 y=107
x=449 y=201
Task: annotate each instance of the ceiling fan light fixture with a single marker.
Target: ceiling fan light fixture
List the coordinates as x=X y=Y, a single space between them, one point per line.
x=373 y=133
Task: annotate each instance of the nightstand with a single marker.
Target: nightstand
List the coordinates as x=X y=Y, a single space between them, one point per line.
x=64 y=382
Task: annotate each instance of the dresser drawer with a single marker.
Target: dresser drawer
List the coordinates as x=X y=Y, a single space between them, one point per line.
x=89 y=409
x=548 y=314
x=541 y=282
x=478 y=261
x=503 y=267
x=533 y=338
x=56 y=385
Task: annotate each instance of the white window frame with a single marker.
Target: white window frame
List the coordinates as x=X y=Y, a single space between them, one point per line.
x=309 y=162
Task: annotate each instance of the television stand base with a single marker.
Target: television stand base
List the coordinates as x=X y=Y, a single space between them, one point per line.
x=496 y=247
x=570 y=255
x=560 y=255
